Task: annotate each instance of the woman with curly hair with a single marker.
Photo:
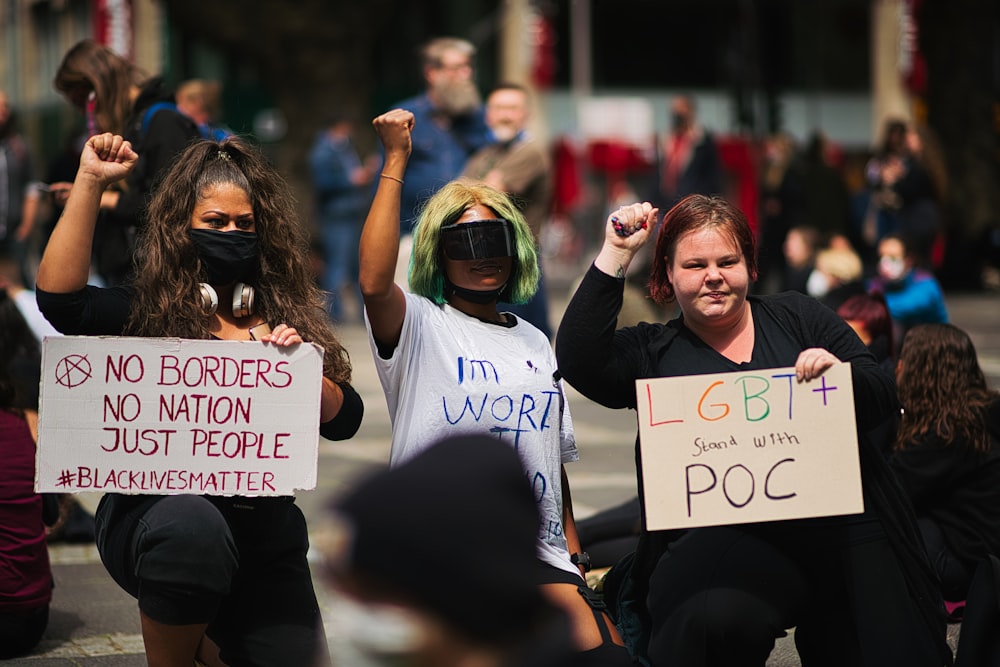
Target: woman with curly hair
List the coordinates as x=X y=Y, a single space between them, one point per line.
x=222 y=257
x=451 y=363
x=946 y=453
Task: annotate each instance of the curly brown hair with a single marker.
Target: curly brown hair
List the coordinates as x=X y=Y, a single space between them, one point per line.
x=168 y=270
x=942 y=388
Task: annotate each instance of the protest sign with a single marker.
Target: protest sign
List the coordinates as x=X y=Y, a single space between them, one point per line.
x=173 y=416
x=747 y=447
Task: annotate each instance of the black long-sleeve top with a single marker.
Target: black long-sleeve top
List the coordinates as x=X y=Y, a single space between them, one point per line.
x=957 y=487
x=603 y=362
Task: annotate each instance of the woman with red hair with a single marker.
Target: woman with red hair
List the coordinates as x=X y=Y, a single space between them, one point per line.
x=721 y=595
x=869 y=316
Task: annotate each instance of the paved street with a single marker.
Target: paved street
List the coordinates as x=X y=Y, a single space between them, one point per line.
x=93 y=623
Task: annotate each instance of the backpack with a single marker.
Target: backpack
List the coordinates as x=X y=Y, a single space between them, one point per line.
x=207 y=131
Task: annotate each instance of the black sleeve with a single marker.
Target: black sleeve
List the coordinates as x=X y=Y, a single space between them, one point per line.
x=92 y=311
x=348 y=420
x=595 y=359
x=874 y=388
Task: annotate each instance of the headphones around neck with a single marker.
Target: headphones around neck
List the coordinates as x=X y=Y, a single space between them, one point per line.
x=243 y=296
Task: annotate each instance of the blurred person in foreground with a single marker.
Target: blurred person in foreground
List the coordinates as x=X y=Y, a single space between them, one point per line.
x=430 y=564
x=518 y=164
x=858 y=589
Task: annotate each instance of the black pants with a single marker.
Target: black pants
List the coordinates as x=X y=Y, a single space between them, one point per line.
x=611 y=533
x=721 y=596
x=21 y=631
x=237 y=564
x=955 y=576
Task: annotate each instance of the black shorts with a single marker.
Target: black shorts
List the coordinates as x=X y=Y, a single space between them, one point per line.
x=238 y=564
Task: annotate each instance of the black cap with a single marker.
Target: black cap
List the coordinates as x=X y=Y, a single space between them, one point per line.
x=453 y=531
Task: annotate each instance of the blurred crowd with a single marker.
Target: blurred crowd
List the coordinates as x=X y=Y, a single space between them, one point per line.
x=802 y=196
x=460 y=177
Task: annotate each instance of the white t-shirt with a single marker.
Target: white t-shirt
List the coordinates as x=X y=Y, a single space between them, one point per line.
x=454 y=374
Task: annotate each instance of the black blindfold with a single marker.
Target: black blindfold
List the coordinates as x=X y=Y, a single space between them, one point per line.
x=479 y=239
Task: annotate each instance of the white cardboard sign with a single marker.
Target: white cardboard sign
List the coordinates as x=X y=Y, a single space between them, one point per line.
x=746 y=447
x=172 y=416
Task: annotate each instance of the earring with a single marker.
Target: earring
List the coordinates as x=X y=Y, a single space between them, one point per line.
x=243 y=295
x=209 y=298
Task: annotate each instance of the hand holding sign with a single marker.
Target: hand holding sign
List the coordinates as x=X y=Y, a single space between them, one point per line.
x=749 y=446
x=165 y=415
x=812 y=362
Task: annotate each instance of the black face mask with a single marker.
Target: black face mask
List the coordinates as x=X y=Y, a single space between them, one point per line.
x=226 y=256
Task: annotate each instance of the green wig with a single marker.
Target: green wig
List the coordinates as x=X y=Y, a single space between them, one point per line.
x=446 y=207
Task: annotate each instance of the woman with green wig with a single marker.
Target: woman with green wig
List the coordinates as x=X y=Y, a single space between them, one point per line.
x=451 y=363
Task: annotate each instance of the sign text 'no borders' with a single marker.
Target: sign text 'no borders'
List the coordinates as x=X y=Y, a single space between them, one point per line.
x=171 y=416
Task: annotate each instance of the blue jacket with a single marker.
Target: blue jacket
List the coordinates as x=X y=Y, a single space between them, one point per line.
x=331 y=162
x=438 y=154
x=916 y=299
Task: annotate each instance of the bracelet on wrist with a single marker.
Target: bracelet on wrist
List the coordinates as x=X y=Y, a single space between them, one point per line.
x=391 y=178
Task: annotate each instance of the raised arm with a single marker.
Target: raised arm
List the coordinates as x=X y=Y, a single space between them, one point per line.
x=65 y=265
x=379 y=246
x=590 y=358
x=626 y=231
